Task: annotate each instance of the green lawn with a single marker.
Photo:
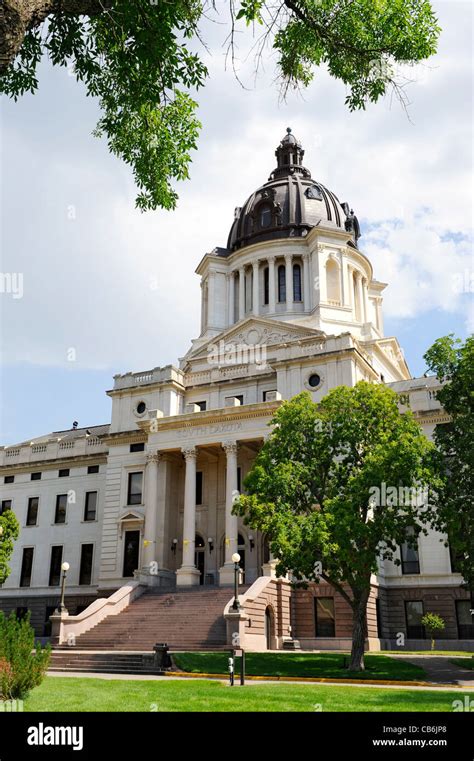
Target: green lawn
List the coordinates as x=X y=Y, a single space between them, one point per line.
x=426 y=652
x=466 y=663
x=330 y=665
x=87 y=694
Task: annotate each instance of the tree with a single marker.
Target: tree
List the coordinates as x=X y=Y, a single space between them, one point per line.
x=432 y=624
x=337 y=487
x=138 y=59
x=9 y=530
x=453 y=363
x=22 y=662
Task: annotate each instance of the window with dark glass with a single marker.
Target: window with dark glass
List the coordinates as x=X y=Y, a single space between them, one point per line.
x=134 y=495
x=36 y=476
x=55 y=566
x=26 y=566
x=239 y=479
x=198 y=487
x=297 y=282
x=464 y=619
x=265 y=215
x=139 y=447
x=90 y=509
x=281 y=283
x=63 y=472
x=240 y=397
x=266 y=285
x=202 y=405
x=61 y=504
x=413 y=616
x=5 y=504
x=9 y=480
x=324 y=617
x=32 y=512
x=85 y=571
x=409 y=553
x=141 y=407
x=92 y=469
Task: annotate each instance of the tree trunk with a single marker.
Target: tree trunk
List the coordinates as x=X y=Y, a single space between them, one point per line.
x=359 y=630
x=17 y=17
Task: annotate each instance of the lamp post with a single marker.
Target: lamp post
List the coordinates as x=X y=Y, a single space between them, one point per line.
x=236 y=561
x=61 y=607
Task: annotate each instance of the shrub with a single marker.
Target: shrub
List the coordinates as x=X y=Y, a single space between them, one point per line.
x=22 y=664
x=432 y=624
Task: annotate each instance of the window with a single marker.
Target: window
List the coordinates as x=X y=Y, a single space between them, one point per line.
x=55 y=566
x=265 y=215
x=202 y=405
x=141 y=407
x=464 y=619
x=297 y=282
x=333 y=281
x=240 y=397
x=134 y=496
x=36 y=476
x=324 y=616
x=239 y=480
x=32 y=512
x=85 y=572
x=409 y=554
x=199 y=487
x=413 y=616
x=61 y=503
x=92 y=469
x=281 y=283
x=63 y=472
x=9 y=480
x=26 y=566
x=314 y=380
x=131 y=553
x=90 y=509
x=137 y=447
x=6 y=504
x=266 y=285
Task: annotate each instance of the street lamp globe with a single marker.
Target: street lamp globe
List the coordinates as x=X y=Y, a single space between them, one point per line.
x=65 y=566
x=235 y=557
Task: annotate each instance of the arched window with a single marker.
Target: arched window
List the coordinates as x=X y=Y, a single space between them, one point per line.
x=266 y=285
x=265 y=215
x=281 y=283
x=333 y=281
x=297 y=283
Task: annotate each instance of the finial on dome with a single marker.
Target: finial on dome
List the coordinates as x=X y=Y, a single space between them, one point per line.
x=288 y=129
x=290 y=156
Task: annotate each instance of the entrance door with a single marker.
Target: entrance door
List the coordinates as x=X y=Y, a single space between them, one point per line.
x=241 y=551
x=269 y=628
x=199 y=557
x=131 y=552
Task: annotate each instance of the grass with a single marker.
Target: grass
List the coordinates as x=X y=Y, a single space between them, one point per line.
x=328 y=665
x=89 y=694
x=466 y=663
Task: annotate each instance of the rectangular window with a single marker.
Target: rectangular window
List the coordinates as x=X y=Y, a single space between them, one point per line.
x=198 y=487
x=36 y=476
x=464 y=619
x=63 y=473
x=139 y=447
x=85 y=572
x=26 y=566
x=413 y=615
x=92 y=469
x=324 y=617
x=32 y=512
x=5 y=504
x=202 y=405
x=409 y=554
x=9 y=480
x=90 y=509
x=55 y=566
x=60 y=513
x=239 y=479
x=266 y=285
x=134 y=495
x=240 y=397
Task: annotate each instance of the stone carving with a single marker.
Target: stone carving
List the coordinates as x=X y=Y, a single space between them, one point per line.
x=230 y=447
x=189 y=453
x=206 y=430
x=153 y=456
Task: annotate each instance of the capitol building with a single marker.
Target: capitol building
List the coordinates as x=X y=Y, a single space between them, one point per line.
x=141 y=507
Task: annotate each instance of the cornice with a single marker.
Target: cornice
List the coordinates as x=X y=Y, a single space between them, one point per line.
x=126 y=437
x=26 y=467
x=211 y=417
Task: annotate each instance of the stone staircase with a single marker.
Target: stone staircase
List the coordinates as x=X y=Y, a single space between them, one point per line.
x=186 y=619
x=103 y=663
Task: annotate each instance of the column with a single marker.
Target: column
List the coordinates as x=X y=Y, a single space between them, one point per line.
x=226 y=573
x=255 y=288
x=188 y=575
x=360 y=298
x=230 y=297
x=271 y=284
x=151 y=506
x=306 y=283
x=241 y=293
x=365 y=294
x=289 y=281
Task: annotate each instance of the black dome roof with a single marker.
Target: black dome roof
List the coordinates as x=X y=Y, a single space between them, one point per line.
x=289 y=204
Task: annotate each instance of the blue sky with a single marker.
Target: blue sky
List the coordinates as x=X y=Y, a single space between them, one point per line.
x=116 y=289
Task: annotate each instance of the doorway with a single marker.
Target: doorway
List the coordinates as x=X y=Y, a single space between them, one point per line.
x=200 y=556
x=241 y=551
x=269 y=627
x=131 y=552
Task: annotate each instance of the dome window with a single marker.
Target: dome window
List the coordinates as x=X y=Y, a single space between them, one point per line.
x=314 y=380
x=140 y=408
x=281 y=283
x=265 y=215
x=297 y=282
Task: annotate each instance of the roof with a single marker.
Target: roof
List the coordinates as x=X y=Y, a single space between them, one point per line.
x=69 y=433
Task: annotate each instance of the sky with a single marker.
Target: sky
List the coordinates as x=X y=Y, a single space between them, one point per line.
x=108 y=289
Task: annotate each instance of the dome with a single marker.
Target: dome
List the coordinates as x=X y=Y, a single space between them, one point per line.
x=289 y=204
